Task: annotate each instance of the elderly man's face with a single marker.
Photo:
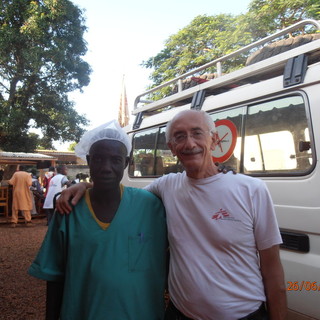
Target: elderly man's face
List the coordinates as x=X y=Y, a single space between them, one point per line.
x=192 y=143
x=107 y=160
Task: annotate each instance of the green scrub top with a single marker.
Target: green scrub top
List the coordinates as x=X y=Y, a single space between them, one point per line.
x=118 y=273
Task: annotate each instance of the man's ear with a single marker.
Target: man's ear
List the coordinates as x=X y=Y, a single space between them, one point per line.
x=88 y=159
x=127 y=162
x=171 y=148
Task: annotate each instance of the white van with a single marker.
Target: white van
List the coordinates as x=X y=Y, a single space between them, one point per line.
x=268 y=120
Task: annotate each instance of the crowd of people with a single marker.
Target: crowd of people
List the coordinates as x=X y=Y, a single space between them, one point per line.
x=32 y=195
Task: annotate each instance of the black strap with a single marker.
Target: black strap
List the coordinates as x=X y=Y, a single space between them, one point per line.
x=260 y=314
x=172 y=313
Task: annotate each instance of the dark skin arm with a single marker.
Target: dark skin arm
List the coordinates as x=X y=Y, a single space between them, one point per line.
x=70 y=197
x=54 y=300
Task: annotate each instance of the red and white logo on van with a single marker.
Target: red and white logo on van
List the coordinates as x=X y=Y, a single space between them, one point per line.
x=227 y=139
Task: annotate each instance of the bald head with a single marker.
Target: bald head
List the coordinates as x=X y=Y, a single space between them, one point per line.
x=210 y=126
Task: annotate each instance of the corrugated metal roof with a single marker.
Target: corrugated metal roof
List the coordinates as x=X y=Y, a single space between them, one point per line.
x=25 y=156
x=62 y=156
x=56 y=153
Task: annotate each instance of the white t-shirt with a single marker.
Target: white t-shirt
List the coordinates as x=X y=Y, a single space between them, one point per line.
x=55 y=186
x=215 y=226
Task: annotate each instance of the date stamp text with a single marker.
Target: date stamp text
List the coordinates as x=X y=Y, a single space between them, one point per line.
x=303 y=286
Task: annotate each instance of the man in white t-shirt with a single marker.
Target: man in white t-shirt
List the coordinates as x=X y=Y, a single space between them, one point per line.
x=222 y=229
x=223 y=234
x=56 y=185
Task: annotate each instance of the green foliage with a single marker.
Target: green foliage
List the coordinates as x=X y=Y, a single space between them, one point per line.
x=204 y=39
x=72 y=146
x=207 y=38
x=269 y=16
x=41 y=45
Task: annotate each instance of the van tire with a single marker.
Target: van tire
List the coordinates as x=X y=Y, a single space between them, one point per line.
x=280 y=47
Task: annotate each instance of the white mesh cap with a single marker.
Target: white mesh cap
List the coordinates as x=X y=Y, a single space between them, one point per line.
x=108 y=131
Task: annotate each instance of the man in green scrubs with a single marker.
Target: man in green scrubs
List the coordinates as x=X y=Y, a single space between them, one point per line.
x=107 y=259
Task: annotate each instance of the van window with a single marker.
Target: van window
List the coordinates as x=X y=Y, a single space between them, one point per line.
x=272 y=138
x=277 y=137
x=151 y=155
x=273 y=135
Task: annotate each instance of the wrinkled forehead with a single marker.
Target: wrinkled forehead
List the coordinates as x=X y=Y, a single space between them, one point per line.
x=189 y=121
x=106 y=146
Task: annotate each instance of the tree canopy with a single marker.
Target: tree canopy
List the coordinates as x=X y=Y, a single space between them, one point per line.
x=41 y=50
x=268 y=16
x=205 y=38
x=209 y=37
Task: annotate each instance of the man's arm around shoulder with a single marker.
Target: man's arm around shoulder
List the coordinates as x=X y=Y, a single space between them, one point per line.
x=69 y=197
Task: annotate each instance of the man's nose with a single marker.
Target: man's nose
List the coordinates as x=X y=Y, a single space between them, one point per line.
x=190 y=142
x=106 y=165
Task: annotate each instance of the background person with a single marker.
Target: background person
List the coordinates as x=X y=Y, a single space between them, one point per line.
x=21 y=181
x=36 y=192
x=46 y=180
x=107 y=259
x=56 y=185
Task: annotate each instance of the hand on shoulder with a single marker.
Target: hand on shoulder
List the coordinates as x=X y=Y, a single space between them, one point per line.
x=70 y=197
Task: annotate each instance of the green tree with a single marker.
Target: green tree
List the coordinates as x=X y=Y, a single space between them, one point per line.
x=41 y=49
x=72 y=146
x=204 y=39
x=268 y=16
x=209 y=37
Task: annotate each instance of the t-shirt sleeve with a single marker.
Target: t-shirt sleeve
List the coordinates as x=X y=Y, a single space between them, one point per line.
x=157 y=186
x=266 y=229
x=50 y=261
x=64 y=181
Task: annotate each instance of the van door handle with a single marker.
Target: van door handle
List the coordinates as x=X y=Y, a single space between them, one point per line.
x=295 y=241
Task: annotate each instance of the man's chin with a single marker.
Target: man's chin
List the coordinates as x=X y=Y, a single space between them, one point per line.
x=191 y=158
x=106 y=183
x=192 y=165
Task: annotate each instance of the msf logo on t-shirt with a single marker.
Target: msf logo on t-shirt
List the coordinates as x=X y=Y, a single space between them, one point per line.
x=223 y=214
x=220 y=214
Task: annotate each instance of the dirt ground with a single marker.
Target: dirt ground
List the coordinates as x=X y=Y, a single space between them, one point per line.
x=22 y=297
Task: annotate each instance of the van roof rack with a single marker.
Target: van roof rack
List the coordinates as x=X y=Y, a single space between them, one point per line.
x=264 y=69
